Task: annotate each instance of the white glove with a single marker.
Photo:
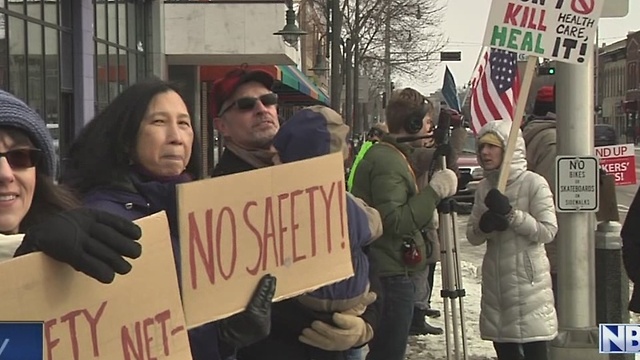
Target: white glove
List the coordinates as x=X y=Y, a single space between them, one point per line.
x=350 y=331
x=444 y=183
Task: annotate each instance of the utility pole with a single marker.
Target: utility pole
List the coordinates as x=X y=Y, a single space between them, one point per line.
x=336 y=54
x=357 y=121
x=387 y=53
x=578 y=334
x=348 y=104
x=596 y=93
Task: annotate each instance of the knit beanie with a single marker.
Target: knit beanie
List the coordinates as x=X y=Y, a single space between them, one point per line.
x=490 y=138
x=14 y=113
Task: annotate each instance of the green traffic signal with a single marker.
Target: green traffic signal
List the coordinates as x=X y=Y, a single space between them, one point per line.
x=552 y=71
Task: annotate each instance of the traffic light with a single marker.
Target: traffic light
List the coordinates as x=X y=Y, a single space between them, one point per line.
x=546 y=70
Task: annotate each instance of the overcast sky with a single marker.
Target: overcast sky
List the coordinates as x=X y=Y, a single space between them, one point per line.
x=464 y=26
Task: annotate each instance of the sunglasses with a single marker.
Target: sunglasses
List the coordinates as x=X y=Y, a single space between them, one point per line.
x=22 y=158
x=248 y=103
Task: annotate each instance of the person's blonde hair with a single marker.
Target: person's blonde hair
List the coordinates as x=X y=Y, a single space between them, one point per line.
x=403 y=104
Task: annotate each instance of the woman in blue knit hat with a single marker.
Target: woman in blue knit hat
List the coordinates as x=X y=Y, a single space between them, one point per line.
x=38 y=215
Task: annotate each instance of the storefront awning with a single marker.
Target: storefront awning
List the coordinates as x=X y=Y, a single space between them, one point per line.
x=291 y=85
x=293 y=78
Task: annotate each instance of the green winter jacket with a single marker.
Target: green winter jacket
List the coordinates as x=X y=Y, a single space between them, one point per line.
x=385 y=182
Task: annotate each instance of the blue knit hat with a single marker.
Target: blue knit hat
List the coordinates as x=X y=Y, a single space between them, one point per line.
x=16 y=114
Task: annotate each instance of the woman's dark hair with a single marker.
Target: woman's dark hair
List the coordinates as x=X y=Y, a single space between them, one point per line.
x=48 y=199
x=101 y=154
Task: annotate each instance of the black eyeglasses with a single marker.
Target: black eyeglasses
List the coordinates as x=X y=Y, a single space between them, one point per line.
x=22 y=158
x=248 y=103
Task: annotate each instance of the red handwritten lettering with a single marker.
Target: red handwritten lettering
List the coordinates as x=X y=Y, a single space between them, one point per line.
x=73 y=336
x=281 y=228
x=162 y=318
x=140 y=345
x=195 y=243
x=72 y=319
x=252 y=228
x=327 y=206
x=47 y=334
x=269 y=233
x=341 y=200
x=510 y=16
x=128 y=348
x=312 y=217
x=234 y=245
x=148 y=338
x=295 y=226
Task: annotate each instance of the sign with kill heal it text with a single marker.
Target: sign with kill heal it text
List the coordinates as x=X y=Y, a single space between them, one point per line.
x=562 y=30
x=619 y=161
x=137 y=317
x=287 y=220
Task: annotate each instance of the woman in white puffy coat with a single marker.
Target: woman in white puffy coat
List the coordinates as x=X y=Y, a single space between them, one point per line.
x=517 y=311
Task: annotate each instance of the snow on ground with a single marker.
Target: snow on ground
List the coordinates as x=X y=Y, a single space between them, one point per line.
x=433 y=347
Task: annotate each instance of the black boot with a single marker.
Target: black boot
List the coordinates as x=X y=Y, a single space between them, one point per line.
x=432 y=313
x=420 y=327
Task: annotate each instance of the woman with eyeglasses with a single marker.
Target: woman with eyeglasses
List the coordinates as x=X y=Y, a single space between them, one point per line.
x=128 y=161
x=38 y=215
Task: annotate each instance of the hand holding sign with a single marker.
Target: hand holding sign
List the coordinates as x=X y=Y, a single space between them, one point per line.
x=91 y=241
x=254 y=323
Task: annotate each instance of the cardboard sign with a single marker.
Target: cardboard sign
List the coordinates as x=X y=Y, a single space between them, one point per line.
x=287 y=220
x=562 y=30
x=138 y=316
x=619 y=161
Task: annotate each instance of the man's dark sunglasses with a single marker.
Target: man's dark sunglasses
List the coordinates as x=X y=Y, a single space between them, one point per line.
x=22 y=158
x=248 y=103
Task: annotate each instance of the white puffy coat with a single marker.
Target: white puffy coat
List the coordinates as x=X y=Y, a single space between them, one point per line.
x=517 y=301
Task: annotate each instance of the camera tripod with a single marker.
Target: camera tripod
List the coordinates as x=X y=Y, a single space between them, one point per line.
x=452 y=292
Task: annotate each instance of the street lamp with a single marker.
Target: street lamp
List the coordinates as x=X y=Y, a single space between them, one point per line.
x=320 y=66
x=290 y=32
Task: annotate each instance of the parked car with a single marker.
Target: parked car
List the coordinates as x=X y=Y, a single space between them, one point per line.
x=470 y=171
x=605 y=135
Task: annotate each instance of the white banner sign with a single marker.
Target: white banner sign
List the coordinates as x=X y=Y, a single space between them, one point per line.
x=562 y=30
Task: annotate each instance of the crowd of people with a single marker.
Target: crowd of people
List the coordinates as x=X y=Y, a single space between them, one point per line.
x=126 y=162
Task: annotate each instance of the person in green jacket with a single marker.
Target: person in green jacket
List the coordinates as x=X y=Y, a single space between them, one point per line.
x=376 y=133
x=386 y=181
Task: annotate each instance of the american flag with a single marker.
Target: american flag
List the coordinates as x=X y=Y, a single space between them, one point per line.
x=494 y=88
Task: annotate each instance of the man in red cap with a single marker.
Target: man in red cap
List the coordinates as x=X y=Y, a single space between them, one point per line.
x=540 y=139
x=245 y=113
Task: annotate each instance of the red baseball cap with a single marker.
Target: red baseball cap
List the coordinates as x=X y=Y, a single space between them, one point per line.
x=224 y=88
x=546 y=94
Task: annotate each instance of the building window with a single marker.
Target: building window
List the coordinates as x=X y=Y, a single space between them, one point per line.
x=31 y=56
x=632 y=73
x=120 y=29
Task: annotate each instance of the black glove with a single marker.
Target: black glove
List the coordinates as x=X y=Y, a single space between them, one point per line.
x=254 y=323
x=490 y=221
x=91 y=241
x=497 y=202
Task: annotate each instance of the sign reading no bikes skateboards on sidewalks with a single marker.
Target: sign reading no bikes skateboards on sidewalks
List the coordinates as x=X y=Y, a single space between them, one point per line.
x=577 y=184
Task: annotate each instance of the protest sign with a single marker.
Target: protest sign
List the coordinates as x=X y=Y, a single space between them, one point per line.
x=619 y=161
x=137 y=317
x=287 y=220
x=562 y=30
